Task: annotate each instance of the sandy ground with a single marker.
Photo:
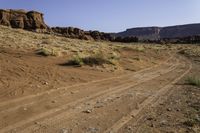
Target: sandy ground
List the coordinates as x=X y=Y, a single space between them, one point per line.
x=148 y=93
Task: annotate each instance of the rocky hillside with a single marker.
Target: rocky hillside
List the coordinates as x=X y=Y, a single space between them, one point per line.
x=34 y=21
x=72 y=32
x=156 y=33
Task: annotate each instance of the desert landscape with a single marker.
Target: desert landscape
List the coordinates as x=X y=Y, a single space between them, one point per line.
x=67 y=80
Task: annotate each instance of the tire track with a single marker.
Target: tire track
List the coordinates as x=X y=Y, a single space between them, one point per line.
x=119 y=124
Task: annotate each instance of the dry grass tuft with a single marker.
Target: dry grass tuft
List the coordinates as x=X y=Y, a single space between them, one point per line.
x=193 y=81
x=48 y=52
x=97 y=59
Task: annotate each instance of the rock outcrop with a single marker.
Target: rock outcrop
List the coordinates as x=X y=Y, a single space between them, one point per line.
x=31 y=20
x=81 y=34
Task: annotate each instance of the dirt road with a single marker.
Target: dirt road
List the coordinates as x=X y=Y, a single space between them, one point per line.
x=104 y=105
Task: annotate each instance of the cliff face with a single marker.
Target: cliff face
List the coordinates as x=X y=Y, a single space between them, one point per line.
x=31 y=20
x=155 y=33
x=180 y=31
x=142 y=33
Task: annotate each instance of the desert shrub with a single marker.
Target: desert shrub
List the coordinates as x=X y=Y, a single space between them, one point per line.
x=191 y=52
x=75 y=61
x=96 y=59
x=193 y=81
x=47 y=52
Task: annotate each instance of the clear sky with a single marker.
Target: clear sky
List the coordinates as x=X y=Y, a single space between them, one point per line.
x=111 y=15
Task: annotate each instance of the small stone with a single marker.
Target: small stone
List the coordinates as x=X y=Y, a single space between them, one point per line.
x=129 y=128
x=149 y=118
x=152 y=125
x=88 y=111
x=25 y=109
x=54 y=101
x=163 y=122
x=161 y=104
x=37 y=123
x=169 y=109
x=46 y=83
x=133 y=116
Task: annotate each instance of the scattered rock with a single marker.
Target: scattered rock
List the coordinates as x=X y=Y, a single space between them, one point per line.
x=25 y=109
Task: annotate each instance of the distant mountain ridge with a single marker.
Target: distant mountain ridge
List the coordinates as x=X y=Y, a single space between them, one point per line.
x=156 y=33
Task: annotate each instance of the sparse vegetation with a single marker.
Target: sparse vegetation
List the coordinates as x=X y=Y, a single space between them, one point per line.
x=191 y=51
x=97 y=59
x=47 y=52
x=193 y=81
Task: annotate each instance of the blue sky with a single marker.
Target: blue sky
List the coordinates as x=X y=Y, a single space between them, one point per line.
x=111 y=15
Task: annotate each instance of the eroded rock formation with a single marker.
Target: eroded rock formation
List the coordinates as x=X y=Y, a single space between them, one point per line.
x=31 y=20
